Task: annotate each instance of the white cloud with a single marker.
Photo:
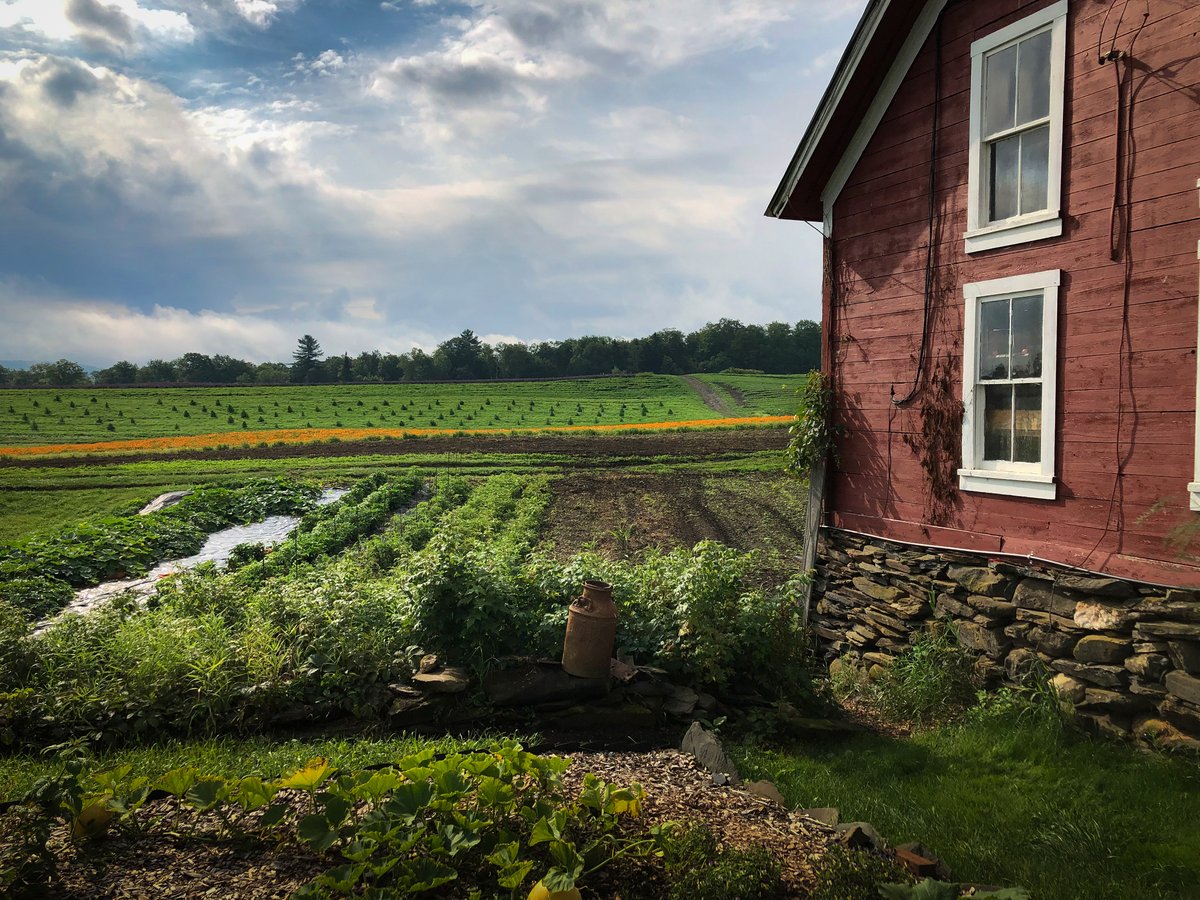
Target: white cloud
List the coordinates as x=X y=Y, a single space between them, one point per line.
x=325 y=63
x=98 y=331
x=537 y=171
x=117 y=24
x=498 y=67
x=261 y=13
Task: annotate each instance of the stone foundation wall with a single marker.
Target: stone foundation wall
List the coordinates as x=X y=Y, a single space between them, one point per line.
x=1126 y=654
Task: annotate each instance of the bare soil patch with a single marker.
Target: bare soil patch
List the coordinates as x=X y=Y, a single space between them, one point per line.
x=620 y=514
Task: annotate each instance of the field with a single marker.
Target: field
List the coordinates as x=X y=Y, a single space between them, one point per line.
x=47 y=418
x=470 y=546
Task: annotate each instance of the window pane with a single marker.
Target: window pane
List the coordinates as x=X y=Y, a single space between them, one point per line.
x=1035 y=165
x=997 y=422
x=993 y=340
x=1000 y=90
x=1033 y=78
x=1027 y=337
x=1003 y=186
x=1027 y=423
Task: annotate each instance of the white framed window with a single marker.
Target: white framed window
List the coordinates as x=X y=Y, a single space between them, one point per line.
x=1018 y=82
x=1010 y=357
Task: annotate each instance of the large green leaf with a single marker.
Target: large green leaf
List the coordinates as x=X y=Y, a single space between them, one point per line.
x=408 y=800
x=253 y=793
x=207 y=793
x=342 y=878
x=315 y=831
x=335 y=806
x=310 y=777
x=424 y=875
x=455 y=839
x=177 y=781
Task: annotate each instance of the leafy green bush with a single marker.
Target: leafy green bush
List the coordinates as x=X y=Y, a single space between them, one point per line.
x=37 y=574
x=38 y=596
x=812 y=431
x=931 y=679
x=693 y=612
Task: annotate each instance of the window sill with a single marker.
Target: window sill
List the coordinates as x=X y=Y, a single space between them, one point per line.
x=1009 y=484
x=1014 y=231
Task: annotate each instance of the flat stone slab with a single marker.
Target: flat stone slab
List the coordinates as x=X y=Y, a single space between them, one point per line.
x=709 y=752
x=162 y=501
x=826 y=815
x=767 y=791
x=447 y=680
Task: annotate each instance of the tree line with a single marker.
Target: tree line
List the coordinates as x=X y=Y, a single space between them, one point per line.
x=777 y=348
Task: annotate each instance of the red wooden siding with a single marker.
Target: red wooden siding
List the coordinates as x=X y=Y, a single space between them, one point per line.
x=1126 y=525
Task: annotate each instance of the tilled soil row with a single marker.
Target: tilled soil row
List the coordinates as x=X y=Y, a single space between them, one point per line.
x=665 y=443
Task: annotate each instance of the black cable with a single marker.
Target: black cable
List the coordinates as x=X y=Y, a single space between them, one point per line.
x=1126 y=96
x=927 y=312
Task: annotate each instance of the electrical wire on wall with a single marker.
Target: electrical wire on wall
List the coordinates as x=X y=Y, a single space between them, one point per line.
x=1121 y=235
x=927 y=310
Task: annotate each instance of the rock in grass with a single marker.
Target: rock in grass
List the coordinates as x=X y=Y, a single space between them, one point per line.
x=860 y=835
x=826 y=815
x=447 y=680
x=767 y=791
x=708 y=752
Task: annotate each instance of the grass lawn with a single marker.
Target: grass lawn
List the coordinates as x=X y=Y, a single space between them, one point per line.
x=1011 y=802
x=26 y=511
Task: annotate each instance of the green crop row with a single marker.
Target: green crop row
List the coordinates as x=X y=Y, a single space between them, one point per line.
x=86 y=415
x=37 y=574
x=329 y=530
x=460 y=574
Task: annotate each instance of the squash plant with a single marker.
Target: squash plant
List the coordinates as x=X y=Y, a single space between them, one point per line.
x=496 y=820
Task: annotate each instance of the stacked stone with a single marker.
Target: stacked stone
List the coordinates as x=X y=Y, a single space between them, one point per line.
x=1127 y=655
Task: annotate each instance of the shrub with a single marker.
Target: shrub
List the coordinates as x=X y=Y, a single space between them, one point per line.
x=931 y=679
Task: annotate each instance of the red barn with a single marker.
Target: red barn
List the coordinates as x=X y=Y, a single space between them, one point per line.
x=1008 y=194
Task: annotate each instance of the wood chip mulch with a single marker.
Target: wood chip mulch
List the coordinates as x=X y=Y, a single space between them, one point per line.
x=166 y=862
x=679 y=790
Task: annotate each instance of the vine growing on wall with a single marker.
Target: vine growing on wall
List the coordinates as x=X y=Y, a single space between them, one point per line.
x=812 y=431
x=938 y=443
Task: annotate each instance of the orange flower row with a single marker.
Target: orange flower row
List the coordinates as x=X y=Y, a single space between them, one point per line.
x=317 y=435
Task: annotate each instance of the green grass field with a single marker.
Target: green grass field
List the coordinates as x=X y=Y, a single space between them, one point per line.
x=37 y=417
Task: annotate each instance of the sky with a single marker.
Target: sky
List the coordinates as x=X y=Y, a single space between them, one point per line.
x=222 y=176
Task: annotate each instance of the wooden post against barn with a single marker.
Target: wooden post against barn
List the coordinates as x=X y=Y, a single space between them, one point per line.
x=812 y=528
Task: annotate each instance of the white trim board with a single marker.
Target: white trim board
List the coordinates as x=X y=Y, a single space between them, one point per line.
x=912 y=45
x=830 y=102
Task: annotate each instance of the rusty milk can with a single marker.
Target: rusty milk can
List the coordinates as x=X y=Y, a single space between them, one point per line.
x=591 y=632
